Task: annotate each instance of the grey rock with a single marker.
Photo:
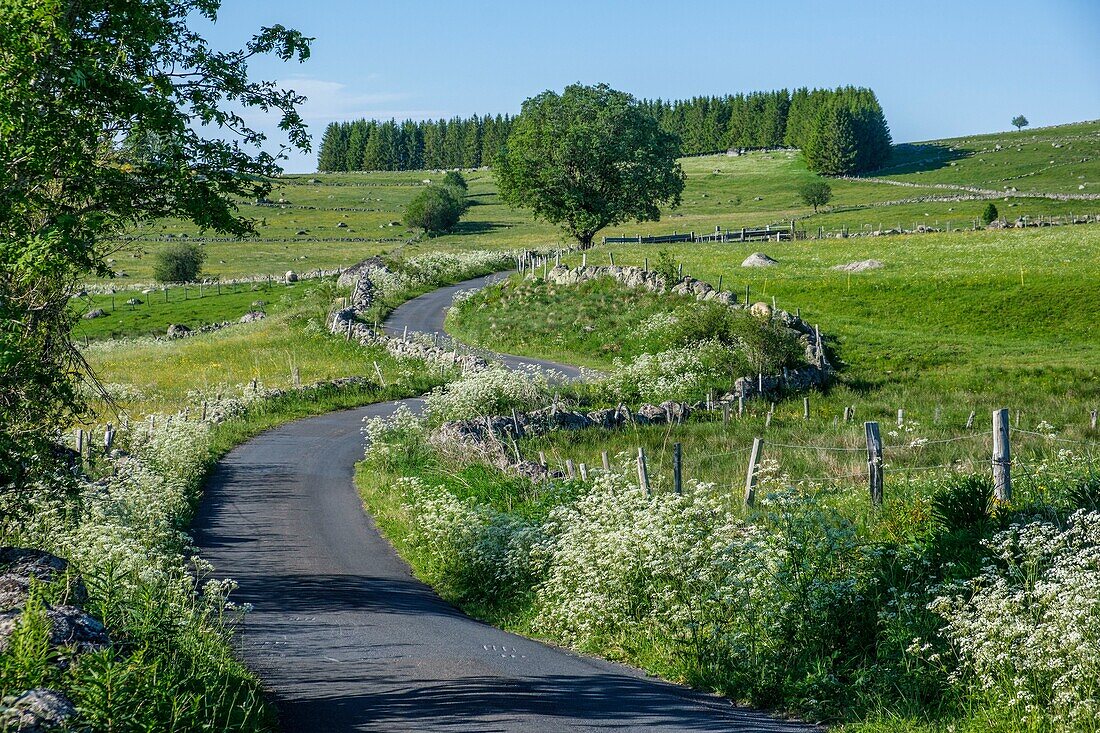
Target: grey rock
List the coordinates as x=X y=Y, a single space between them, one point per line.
x=859 y=266
x=19 y=565
x=95 y=313
x=253 y=316
x=290 y=276
x=759 y=259
x=178 y=330
x=36 y=711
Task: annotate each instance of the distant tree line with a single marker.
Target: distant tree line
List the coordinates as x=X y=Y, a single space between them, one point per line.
x=372 y=145
x=840 y=131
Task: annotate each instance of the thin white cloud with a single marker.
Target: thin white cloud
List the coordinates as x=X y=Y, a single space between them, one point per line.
x=328 y=101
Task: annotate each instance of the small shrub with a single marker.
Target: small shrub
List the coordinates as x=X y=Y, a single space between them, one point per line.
x=666 y=267
x=990 y=214
x=456 y=179
x=436 y=209
x=179 y=262
x=815 y=193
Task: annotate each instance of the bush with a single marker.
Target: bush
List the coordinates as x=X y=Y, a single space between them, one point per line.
x=990 y=214
x=456 y=179
x=179 y=263
x=436 y=209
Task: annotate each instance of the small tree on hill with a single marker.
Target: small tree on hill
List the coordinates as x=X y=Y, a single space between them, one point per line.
x=589 y=158
x=1020 y=122
x=990 y=214
x=436 y=209
x=815 y=193
x=456 y=179
x=179 y=263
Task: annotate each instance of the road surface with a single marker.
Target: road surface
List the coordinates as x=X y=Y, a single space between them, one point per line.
x=346 y=639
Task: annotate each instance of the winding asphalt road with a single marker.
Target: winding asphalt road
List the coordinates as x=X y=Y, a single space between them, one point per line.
x=346 y=639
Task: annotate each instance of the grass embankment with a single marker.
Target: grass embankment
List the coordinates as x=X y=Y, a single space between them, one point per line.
x=812 y=602
x=749 y=190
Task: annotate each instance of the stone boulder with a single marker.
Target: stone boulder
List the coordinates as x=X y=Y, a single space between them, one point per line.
x=253 y=316
x=95 y=313
x=36 y=711
x=178 y=330
x=19 y=565
x=290 y=277
x=70 y=628
x=859 y=266
x=759 y=259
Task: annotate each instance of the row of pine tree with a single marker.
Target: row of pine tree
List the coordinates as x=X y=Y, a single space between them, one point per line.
x=839 y=130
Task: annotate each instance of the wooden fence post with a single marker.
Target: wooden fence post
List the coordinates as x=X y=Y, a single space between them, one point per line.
x=584 y=471
x=1002 y=457
x=296 y=377
x=805 y=408
x=677 y=468
x=725 y=413
x=643 y=474
x=901 y=417
x=1093 y=419
x=80 y=443
x=874 y=461
x=569 y=468
x=970 y=421
x=750 y=477
x=108 y=437
x=605 y=460
x=378 y=371
x=740 y=404
x=542 y=458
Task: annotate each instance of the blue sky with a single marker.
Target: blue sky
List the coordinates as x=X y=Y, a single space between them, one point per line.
x=939 y=68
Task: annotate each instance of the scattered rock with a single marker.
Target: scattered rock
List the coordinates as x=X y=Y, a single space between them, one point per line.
x=20 y=564
x=134 y=301
x=341 y=225
x=253 y=316
x=95 y=313
x=259 y=303
x=36 y=711
x=290 y=276
x=301 y=233
x=759 y=259
x=996 y=224
x=761 y=310
x=177 y=330
x=859 y=266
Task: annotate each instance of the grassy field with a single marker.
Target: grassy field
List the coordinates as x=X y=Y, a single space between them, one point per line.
x=952 y=323
x=301 y=228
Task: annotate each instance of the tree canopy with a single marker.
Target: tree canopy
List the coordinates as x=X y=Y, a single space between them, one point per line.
x=112 y=112
x=704 y=124
x=1020 y=122
x=436 y=209
x=815 y=193
x=588 y=158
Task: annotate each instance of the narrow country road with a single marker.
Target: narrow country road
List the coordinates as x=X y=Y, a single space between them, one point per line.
x=347 y=639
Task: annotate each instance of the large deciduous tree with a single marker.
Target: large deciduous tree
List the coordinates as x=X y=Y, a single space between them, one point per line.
x=588 y=158
x=112 y=113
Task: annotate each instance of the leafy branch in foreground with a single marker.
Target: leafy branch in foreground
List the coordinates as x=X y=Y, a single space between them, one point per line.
x=112 y=113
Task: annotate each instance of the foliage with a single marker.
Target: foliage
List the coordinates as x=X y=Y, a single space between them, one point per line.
x=848 y=133
x=455 y=179
x=823 y=607
x=486 y=392
x=436 y=209
x=989 y=213
x=89 y=148
x=179 y=263
x=1024 y=629
x=589 y=158
x=1020 y=122
x=703 y=124
x=815 y=193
